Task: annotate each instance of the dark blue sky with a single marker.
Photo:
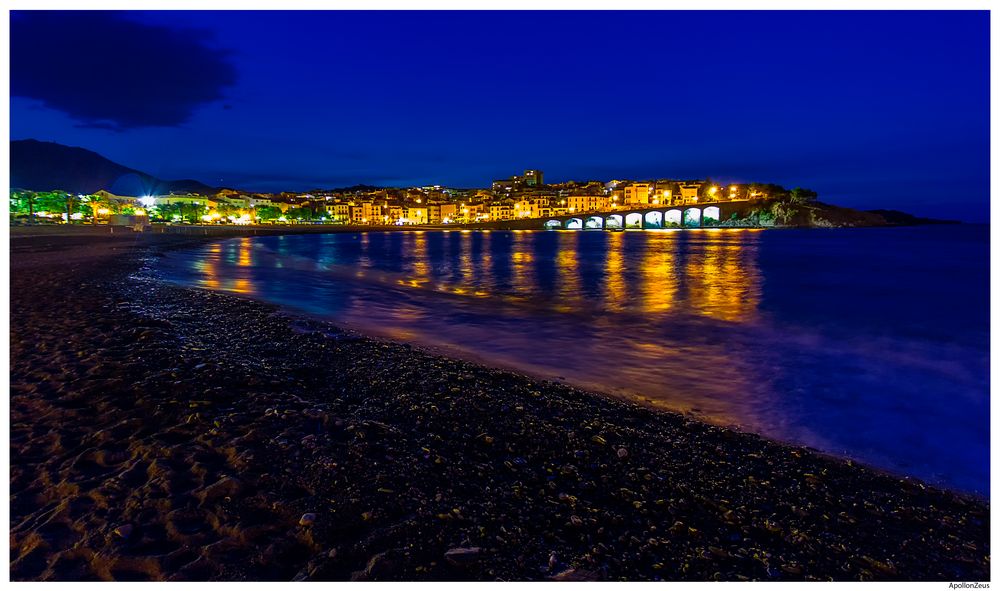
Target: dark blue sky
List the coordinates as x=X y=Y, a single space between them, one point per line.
x=871 y=109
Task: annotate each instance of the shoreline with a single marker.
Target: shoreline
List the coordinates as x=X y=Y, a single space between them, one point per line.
x=241 y=418
x=628 y=396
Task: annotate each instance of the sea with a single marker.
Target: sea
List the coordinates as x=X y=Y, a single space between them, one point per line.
x=865 y=343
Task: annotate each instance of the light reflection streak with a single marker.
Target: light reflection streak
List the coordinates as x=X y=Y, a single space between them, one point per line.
x=614 y=274
x=568 y=290
x=658 y=277
x=418 y=255
x=521 y=260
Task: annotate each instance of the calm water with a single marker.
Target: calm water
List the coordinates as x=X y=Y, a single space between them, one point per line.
x=868 y=343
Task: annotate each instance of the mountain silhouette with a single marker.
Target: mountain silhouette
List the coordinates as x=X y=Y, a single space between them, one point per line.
x=48 y=166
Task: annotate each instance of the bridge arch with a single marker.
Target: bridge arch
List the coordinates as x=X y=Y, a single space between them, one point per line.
x=553 y=224
x=653 y=219
x=615 y=222
x=710 y=213
x=674 y=217
x=633 y=220
x=692 y=216
x=594 y=222
x=574 y=224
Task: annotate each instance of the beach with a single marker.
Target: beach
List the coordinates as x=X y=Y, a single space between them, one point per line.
x=163 y=433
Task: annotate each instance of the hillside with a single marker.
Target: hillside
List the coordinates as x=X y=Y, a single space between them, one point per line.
x=816 y=214
x=45 y=166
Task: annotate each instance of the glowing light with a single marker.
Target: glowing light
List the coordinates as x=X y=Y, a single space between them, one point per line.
x=147 y=201
x=103 y=211
x=139 y=212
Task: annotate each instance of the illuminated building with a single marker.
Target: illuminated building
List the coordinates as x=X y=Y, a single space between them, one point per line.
x=501 y=212
x=416 y=215
x=578 y=203
x=637 y=194
x=532 y=207
x=689 y=193
x=439 y=212
x=338 y=212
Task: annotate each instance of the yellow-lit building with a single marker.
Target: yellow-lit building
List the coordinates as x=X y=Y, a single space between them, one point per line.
x=662 y=196
x=501 y=212
x=579 y=203
x=416 y=215
x=371 y=212
x=689 y=193
x=441 y=213
x=338 y=212
x=637 y=194
x=531 y=207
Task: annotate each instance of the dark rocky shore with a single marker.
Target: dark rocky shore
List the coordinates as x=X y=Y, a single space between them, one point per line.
x=159 y=433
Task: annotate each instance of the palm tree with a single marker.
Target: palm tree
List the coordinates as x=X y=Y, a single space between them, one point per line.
x=96 y=202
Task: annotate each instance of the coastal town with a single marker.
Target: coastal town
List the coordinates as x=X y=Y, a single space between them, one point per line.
x=517 y=197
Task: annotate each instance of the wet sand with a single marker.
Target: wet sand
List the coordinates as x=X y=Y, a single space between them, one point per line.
x=160 y=433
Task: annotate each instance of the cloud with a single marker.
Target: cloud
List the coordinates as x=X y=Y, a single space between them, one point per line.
x=108 y=72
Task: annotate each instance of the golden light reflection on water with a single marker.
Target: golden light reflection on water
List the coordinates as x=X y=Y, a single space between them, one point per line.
x=208 y=267
x=485 y=266
x=724 y=282
x=420 y=268
x=615 y=296
x=521 y=260
x=245 y=253
x=658 y=279
x=710 y=273
x=568 y=295
x=242 y=286
x=467 y=268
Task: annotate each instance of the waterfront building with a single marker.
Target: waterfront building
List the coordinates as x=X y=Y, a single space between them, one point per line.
x=416 y=215
x=662 y=194
x=689 y=192
x=190 y=199
x=501 y=212
x=441 y=213
x=580 y=203
x=358 y=214
x=372 y=213
x=637 y=194
x=532 y=206
x=338 y=212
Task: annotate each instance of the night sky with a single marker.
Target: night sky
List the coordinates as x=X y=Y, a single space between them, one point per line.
x=871 y=109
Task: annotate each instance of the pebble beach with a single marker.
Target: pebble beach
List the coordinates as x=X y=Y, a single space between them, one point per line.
x=164 y=433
